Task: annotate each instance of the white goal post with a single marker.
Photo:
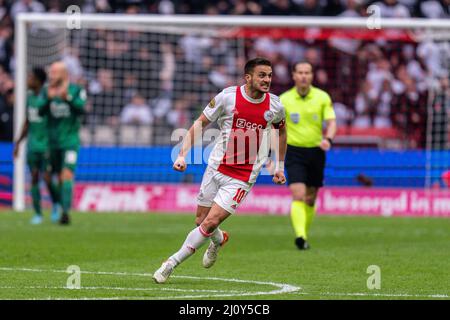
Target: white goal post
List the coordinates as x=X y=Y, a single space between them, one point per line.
x=425 y=28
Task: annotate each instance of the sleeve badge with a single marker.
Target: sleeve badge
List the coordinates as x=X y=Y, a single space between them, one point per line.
x=212 y=103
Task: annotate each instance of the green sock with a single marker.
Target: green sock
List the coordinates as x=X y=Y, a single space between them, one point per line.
x=298 y=218
x=36 y=196
x=310 y=212
x=54 y=192
x=66 y=195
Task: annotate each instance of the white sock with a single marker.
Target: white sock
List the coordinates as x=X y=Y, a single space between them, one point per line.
x=217 y=237
x=194 y=240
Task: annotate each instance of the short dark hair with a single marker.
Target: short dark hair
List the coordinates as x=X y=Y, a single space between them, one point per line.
x=301 y=62
x=39 y=73
x=251 y=64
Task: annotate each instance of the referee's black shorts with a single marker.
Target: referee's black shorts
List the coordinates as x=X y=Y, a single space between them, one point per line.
x=305 y=165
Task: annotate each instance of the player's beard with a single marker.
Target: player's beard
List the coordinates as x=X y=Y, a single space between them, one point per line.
x=259 y=87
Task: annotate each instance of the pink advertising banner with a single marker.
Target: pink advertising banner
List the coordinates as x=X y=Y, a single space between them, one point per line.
x=267 y=200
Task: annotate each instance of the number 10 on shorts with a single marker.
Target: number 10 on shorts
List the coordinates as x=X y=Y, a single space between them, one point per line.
x=240 y=194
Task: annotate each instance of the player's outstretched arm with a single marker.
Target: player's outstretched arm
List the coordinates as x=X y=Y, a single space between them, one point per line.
x=43 y=103
x=22 y=136
x=279 y=177
x=194 y=133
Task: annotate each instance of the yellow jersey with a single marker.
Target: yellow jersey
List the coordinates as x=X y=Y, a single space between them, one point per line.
x=305 y=116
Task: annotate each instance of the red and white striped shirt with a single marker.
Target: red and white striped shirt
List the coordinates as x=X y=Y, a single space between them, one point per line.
x=245 y=123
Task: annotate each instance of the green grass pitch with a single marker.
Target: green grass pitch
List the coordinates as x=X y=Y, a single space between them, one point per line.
x=117 y=254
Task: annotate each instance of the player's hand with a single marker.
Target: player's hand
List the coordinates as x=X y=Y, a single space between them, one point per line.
x=62 y=91
x=58 y=91
x=325 y=145
x=180 y=164
x=279 y=177
x=52 y=92
x=16 y=151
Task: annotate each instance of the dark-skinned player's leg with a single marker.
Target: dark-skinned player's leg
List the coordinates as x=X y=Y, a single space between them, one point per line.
x=66 y=178
x=36 y=196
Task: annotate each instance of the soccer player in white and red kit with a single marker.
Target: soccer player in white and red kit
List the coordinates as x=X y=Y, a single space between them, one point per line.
x=245 y=115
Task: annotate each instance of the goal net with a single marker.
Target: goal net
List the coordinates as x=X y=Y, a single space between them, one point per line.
x=147 y=77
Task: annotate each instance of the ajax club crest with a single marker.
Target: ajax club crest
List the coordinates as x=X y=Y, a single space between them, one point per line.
x=268 y=115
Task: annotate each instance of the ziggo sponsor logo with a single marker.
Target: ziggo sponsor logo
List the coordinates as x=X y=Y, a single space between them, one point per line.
x=244 y=124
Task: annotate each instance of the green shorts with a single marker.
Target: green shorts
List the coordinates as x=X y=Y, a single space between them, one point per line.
x=63 y=158
x=37 y=160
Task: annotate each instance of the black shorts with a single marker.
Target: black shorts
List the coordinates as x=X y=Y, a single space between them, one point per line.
x=305 y=165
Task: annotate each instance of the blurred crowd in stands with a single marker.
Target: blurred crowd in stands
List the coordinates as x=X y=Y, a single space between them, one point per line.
x=137 y=78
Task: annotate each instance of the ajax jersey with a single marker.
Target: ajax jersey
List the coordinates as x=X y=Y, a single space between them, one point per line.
x=245 y=123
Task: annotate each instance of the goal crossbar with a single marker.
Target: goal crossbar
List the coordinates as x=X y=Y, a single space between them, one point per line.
x=91 y=20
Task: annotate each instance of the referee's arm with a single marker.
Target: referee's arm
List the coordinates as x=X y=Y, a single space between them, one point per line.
x=329 y=134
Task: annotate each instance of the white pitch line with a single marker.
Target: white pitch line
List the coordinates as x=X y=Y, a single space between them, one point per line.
x=363 y=294
x=355 y=294
x=122 y=289
x=281 y=288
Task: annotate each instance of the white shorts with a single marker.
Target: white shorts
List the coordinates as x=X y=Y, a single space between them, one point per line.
x=227 y=192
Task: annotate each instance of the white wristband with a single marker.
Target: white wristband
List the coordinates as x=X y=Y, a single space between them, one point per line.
x=280 y=166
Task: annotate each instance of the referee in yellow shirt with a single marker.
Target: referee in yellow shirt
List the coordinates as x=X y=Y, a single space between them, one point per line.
x=307 y=107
